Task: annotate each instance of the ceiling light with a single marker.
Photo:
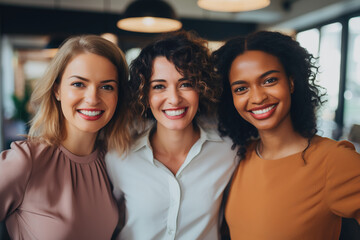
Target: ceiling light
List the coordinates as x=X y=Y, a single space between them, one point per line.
x=149 y=16
x=232 y=5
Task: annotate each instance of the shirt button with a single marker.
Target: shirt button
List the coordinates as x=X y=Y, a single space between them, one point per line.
x=170 y=231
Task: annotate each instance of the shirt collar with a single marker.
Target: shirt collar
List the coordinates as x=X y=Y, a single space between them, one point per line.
x=205 y=135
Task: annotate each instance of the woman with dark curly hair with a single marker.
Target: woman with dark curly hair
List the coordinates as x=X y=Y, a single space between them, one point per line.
x=290 y=183
x=173 y=179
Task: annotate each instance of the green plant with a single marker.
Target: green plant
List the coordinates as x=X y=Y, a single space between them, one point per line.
x=21 y=105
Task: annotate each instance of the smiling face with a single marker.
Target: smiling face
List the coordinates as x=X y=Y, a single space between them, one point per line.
x=88 y=93
x=261 y=89
x=172 y=98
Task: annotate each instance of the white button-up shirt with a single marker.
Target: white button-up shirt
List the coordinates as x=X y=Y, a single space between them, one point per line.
x=161 y=205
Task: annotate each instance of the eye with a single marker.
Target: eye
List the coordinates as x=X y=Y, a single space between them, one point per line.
x=108 y=87
x=270 y=80
x=78 y=84
x=158 y=86
x=240 y=90
x=186 y=84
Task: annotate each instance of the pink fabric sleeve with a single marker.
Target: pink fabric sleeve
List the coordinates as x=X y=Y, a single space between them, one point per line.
x=15 y=170
x=343 y=180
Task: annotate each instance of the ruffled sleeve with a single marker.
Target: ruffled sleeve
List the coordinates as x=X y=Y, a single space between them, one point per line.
x=343 y=180
x=15 y=171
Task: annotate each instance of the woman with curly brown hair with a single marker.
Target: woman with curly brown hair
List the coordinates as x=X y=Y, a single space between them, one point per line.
x=173 y=179
x=290 y=183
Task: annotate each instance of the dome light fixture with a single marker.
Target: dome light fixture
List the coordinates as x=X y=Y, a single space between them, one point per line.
x=149 y=16
x=233 y=5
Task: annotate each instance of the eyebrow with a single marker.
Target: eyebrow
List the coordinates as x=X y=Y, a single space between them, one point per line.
x=157 y=80
x=163 y=80
x=261 y=76
x=269 y=72
x=87 y=80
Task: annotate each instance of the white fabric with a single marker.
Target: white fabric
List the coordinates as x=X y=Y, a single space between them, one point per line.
x=160 y=205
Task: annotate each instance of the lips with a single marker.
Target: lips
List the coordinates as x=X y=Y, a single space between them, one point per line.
x=90 y=114
x=263 y=112
x=175 y=113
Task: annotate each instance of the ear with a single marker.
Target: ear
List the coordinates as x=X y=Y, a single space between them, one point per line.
x=56 y=90
x=291 y=83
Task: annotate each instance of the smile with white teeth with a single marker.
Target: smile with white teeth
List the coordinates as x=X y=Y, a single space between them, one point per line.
x=90 y=113
x=262 y=111
x=175 y=112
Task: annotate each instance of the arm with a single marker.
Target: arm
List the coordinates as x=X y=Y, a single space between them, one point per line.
x=111 y=160
x=15 y=170
x=343 y=180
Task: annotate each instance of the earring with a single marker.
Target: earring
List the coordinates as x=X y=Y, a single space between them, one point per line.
x=58 y=99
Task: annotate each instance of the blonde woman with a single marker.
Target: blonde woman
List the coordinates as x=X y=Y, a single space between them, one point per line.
x=54 y=184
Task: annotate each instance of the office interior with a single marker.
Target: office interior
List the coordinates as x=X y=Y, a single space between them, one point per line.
x=31 y=31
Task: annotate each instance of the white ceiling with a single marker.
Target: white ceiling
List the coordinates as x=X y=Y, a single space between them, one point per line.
x=302 y=13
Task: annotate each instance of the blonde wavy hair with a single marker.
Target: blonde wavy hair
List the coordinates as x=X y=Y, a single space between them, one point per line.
x=48 y=122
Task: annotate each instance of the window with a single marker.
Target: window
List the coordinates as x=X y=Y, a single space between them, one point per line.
x=326 y=45
x=329 y=74
x=352 y=91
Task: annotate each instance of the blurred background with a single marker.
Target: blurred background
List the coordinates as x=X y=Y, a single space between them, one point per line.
x=31 y=31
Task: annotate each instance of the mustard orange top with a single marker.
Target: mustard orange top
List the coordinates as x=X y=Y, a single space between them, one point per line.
x=49 y=193
x=287 y=199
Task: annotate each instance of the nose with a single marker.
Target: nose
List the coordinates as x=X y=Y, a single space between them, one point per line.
x=258 y=95
x=92 y=96
x=174 y=96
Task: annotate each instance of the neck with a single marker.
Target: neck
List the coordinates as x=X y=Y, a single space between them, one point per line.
x=174 y=142
x=81 y=145
x=281 y=142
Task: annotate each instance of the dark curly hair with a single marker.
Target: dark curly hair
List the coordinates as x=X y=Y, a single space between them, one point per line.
x=191 y=57
x=298 y=64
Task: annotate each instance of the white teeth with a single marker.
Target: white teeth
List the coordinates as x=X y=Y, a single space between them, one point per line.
x=90 y=113
x=261 y=111
x=175 y=112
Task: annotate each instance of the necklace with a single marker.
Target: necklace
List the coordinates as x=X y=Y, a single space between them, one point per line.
x=257 y=150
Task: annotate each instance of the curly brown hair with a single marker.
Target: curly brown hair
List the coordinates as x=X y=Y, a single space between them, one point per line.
x=191 y=57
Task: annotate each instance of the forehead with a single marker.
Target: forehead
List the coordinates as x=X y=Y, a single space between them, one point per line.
x=86 y=58
x=90 y=64
x=255 y=61
x=164 y=69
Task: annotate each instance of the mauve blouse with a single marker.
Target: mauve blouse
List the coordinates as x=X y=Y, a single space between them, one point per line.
x=47 y=192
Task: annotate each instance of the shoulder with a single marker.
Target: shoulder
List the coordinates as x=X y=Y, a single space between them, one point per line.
x=216 y=147
x=17 y=162
x=20 y=151
x=28 y=148
x=337 y=154
x=215 y=142
x=211 y=133
x=330 y=146
x=113 y=156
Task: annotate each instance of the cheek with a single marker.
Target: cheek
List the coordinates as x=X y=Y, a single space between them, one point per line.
x=237 y=101
x=112 y=103
x=195 y=98
x=69 y=96
x=240 y=105
x=154 y=100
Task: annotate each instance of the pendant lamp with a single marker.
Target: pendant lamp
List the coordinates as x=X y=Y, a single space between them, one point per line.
x=149 y=16
x=232 y=5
